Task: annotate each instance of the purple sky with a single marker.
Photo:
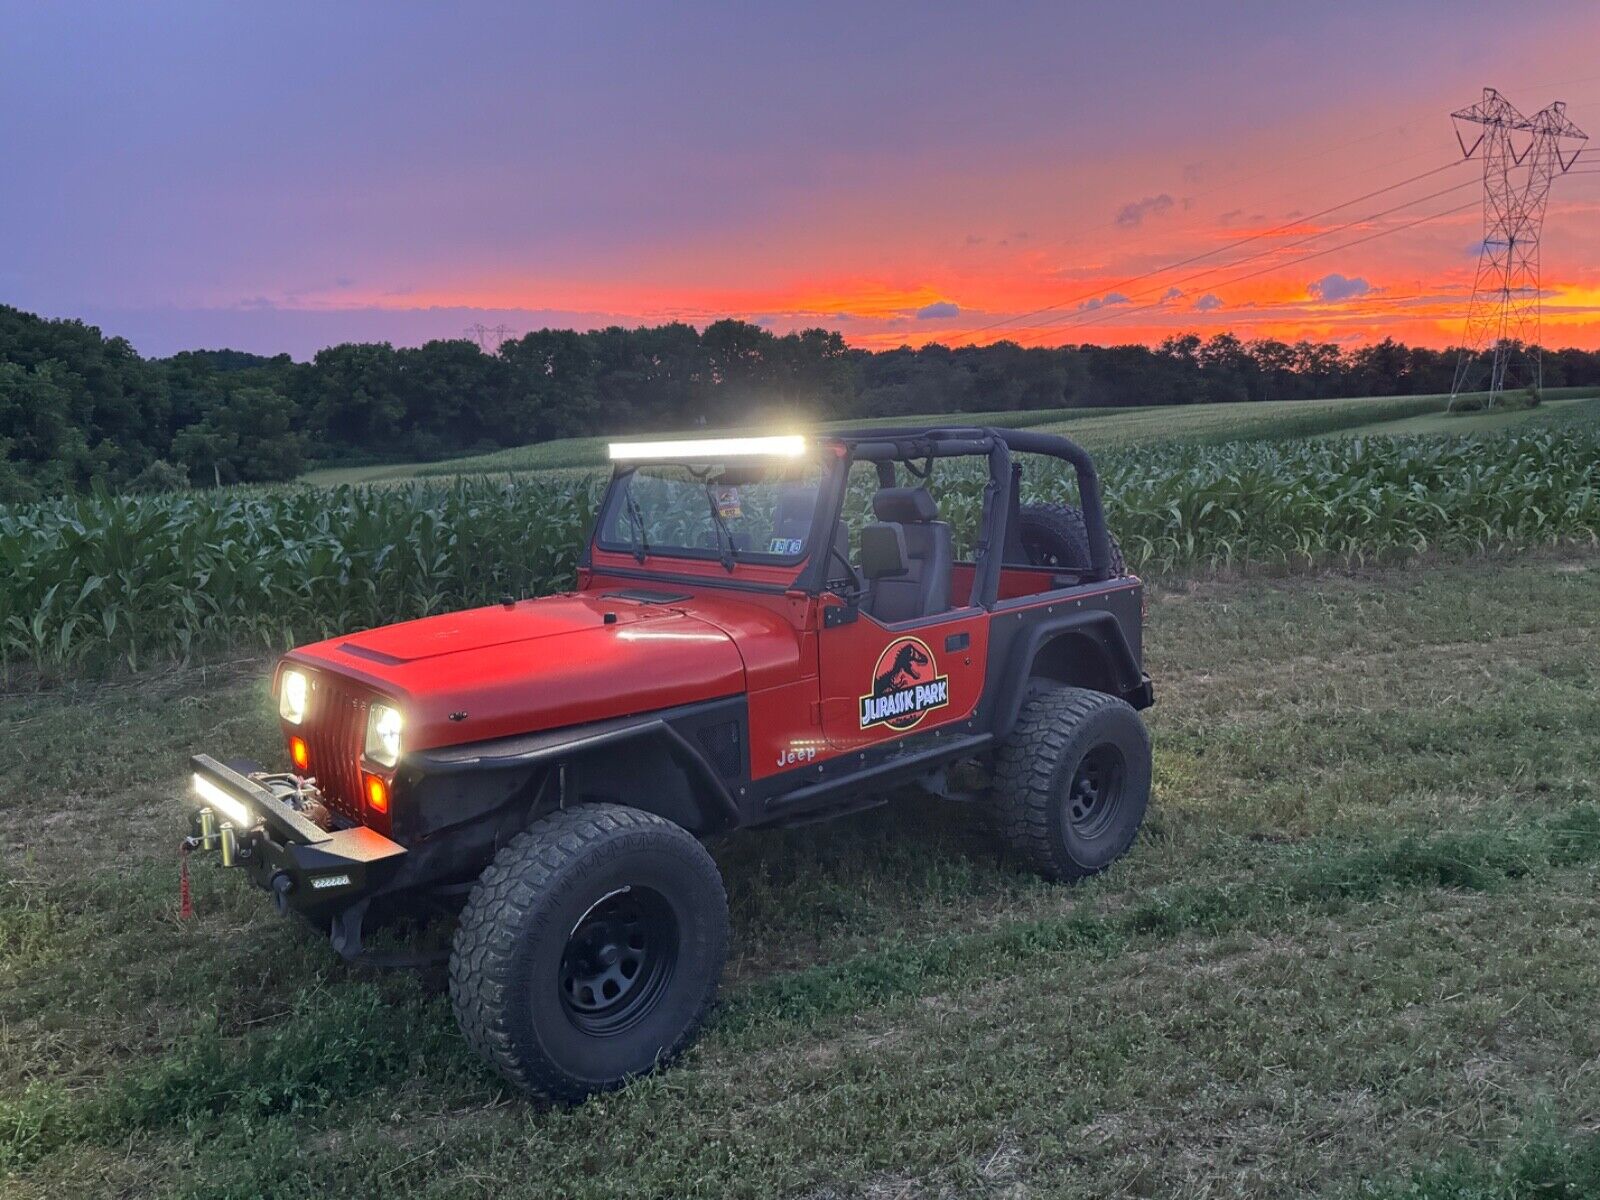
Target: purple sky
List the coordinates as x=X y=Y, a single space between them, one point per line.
x=283 y=176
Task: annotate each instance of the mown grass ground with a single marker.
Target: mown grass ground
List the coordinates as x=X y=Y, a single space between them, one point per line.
x=1356 y=941
x=1098 y=429
x=1498 y=420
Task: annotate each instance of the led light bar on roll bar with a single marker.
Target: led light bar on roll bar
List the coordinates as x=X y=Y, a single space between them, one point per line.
x=787 y=446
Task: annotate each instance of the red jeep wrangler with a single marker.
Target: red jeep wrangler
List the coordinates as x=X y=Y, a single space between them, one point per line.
x=733 y=657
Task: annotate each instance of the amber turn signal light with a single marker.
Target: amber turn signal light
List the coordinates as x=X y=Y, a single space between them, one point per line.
x=299 y=753
x=377 y=794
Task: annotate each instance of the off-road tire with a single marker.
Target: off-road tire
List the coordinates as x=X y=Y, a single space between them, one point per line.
x=1037 y=770
x=509 y=966
x=1055 y=535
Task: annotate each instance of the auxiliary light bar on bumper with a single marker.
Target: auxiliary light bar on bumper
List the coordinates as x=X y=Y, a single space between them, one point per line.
x=305 y=867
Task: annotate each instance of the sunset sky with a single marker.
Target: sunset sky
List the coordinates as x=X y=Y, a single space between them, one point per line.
x=279 y=177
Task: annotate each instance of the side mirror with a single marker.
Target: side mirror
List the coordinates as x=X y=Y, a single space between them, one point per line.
x=883 y=551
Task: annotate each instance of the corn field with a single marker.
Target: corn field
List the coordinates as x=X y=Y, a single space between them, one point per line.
x=1353 y=501
x=104 y=580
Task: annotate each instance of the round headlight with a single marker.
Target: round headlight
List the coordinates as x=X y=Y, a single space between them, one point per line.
x=294 y=690
x=383 y=735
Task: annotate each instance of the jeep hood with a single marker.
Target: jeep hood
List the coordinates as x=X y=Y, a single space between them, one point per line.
x=536 y=664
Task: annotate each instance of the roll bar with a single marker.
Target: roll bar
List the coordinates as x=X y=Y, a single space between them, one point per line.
x=898 y=444
x=1055 y=445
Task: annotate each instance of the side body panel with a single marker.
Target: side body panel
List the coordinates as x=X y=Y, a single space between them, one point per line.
x=880 y=682
x=1091 y=632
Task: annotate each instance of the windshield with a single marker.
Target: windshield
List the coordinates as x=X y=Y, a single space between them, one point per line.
x=730 y=512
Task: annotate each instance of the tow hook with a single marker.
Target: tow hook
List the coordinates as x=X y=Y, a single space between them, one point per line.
x=217 y=835
x=210 y=834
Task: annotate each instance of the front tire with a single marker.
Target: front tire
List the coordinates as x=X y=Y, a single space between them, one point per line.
x=1072 y=782
x=590 y=950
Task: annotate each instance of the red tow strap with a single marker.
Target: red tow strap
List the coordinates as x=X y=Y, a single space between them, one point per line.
x=185 y=903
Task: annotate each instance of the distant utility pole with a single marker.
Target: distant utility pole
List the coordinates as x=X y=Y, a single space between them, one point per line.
x=490 y=338
x=1521 y=156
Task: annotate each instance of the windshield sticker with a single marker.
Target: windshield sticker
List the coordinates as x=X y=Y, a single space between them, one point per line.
x=727 y=499
x=906 y=686
x=786 y=545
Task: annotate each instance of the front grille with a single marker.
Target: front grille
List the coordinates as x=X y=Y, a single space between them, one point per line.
x=335 y=733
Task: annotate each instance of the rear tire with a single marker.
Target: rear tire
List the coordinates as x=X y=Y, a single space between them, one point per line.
x=1055 y=535
x=590 y=951
x=1072 y=782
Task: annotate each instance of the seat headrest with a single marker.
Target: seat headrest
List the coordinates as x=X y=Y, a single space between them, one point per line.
x=906 y=505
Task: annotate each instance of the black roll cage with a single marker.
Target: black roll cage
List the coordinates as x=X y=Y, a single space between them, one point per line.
x=889 y=446
x=910 y=445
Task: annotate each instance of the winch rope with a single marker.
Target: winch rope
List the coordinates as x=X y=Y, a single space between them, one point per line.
x=185 y=902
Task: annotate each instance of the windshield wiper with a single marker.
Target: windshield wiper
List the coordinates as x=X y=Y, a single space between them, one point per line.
x=636 y=537
x=725 y=546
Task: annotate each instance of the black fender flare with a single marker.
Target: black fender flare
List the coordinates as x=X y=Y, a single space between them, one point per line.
x=459 y=785
x=1095 y=628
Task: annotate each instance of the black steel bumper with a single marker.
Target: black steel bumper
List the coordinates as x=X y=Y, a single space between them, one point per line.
x=307 y=869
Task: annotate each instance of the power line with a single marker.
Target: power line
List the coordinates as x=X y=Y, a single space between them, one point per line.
x=1096 y=318
x=1271 y=250
x=1550 y=125
x=1332 y=315
x=1278 y=164
x=954 y=338
x=1162 y=270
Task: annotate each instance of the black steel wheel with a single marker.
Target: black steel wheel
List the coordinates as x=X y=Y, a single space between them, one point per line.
x=618 y=958
x=1094 y=792
x=1072 y=782
x=589 y=951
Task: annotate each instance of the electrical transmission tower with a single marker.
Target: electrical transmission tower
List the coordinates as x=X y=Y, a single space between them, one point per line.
x=1521 y=157
x=489 y=338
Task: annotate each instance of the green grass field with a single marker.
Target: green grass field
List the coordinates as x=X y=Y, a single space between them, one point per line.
x=1098 y=429
x=1432 y=424
x=1355 y=943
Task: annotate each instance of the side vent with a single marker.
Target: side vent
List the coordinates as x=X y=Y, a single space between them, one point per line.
x=723 y=746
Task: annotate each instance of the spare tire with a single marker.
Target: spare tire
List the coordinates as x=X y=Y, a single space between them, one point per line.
x=1055 y=535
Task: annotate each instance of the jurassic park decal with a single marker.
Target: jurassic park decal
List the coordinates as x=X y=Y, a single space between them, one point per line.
x=906 y=686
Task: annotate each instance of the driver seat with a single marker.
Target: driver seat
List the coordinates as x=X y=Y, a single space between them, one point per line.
x=924 y=589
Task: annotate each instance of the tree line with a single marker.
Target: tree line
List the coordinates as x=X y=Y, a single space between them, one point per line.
x=79 y=408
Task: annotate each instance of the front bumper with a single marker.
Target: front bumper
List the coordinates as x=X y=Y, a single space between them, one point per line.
x=306 y=868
